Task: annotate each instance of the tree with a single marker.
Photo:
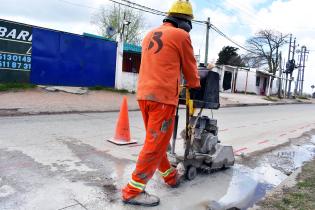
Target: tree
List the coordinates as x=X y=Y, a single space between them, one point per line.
x=122 y=19
x=229 y=56
x=264 y=50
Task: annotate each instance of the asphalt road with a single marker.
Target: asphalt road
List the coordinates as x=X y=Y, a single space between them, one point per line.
x=63 y=161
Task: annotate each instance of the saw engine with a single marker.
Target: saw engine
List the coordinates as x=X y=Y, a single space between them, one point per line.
x=204 y=135
x=205 y=147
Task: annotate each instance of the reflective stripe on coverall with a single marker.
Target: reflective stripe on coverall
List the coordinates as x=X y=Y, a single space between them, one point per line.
x=159 y=123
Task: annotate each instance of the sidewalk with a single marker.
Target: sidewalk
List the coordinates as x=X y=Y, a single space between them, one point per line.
x=41 y=101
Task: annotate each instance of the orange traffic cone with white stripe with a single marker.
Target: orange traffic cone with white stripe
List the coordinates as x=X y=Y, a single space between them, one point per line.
x=122 y=134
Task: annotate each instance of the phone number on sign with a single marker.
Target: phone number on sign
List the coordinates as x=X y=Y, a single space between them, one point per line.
x=13 y=61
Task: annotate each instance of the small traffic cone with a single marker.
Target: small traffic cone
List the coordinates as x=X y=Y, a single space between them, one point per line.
x=122 y=134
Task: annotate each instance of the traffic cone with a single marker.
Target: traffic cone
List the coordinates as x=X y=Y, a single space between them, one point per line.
x=122 y=134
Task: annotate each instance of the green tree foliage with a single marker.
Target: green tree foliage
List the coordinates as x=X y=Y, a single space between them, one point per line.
x=229 y=56
x=264 y=50
x=115 y=16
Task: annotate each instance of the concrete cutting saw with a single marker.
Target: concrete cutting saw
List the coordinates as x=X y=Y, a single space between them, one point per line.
x=202 y=148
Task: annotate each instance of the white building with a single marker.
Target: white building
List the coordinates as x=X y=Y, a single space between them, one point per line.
x=247 y=80
x=232 y=79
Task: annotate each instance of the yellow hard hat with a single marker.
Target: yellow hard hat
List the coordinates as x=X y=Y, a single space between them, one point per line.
x=181 y=7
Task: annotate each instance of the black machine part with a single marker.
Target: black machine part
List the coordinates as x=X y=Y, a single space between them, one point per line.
x=207 y=96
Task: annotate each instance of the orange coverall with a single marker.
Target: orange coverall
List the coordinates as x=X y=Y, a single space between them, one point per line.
x=166 y=51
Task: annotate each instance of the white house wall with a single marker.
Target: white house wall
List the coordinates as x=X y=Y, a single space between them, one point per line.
x=129 y=81
x=275 y=85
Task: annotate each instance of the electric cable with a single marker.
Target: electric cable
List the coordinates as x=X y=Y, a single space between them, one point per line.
x=151 y=10
x=78 y=5
x=245 y=10
x=228 y=38
x=141 y=9
x=145 y=7
x=160 y=13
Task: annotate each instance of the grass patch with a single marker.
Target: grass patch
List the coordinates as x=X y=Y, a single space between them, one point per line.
x=301 y=196
x=247 y=93
x=16 y=86
x=303 y=97
x=101 y=88
x=269 y=98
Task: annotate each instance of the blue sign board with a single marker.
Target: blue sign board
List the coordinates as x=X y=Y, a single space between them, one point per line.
x=15 y=51
x=66 y=59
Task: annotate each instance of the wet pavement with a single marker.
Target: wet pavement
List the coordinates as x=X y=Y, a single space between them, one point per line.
x=272 y=168
x=63 y=161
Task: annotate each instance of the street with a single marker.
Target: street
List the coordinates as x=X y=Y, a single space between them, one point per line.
x=64 y=161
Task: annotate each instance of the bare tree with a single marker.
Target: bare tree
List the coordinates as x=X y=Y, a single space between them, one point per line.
x=115 y=17
x=264 y=50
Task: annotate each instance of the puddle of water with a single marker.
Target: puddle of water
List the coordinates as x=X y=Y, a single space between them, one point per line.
x=240 y=189
x=250 y=185
x=274 y=167
x=241 y=186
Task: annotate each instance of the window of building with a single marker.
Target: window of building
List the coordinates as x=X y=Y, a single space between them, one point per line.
x=257 y=81
x=131 y=62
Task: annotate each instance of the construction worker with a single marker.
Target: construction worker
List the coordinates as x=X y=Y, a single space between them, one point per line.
x=166 y=52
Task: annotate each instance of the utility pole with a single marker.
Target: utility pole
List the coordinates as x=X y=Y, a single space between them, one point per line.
x=293 y=53
x=207 y=41
x=123 y=28
x=286 y=72
x=303 y=68
x=280 y=75
x=301 y=65
x=298 y=80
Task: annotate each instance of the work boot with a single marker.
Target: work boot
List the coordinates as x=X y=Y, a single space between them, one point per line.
x=143 y=199
x=180 y=172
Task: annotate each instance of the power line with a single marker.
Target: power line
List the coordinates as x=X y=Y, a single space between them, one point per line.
x=218 y=5
x=78 y=5
x=150 y=10
x=195 y=21
x=246 y=10
x=145 y=7
x=140 y=9
x=160 y=13
x=228 y=38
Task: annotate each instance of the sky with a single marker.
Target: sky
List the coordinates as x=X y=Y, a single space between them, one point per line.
x=239 y=19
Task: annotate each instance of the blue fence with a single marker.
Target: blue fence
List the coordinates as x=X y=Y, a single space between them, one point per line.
x=65 y=59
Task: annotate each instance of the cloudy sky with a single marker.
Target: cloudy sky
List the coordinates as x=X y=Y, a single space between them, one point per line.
x=239 y=19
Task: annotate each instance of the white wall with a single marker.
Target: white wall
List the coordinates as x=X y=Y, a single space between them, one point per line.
x=119 y=61
x=275 y=86
x=251 y=81
x=124 y=80
x=129 y=81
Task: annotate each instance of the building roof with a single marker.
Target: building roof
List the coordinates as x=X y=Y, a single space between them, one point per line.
x=98 y=37
x=265 y=72
x=132 y=48
x=127 y=47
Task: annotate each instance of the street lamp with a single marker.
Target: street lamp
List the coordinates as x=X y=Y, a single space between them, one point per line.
x=125 y=23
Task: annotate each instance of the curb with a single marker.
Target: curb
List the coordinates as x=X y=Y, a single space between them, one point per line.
x=14 y=112
x=262 y=104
